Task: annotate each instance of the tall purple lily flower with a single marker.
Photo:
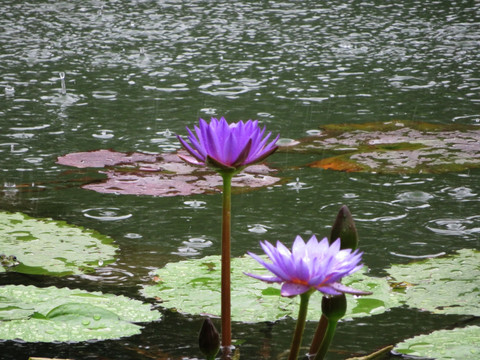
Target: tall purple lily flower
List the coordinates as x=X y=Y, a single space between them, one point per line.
x=227 y=146
x=312 y=265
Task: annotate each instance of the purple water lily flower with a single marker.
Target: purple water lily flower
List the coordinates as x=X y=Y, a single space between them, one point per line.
x=315 y=264
x=227 y=146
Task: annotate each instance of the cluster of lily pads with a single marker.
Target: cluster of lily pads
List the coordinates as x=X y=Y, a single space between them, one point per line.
x=443 y=285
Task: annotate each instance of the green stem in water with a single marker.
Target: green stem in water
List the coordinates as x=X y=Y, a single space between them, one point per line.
x=333 y=309
x=332 y=325
x=225 y=289
x=300 y=327
x=319 y=335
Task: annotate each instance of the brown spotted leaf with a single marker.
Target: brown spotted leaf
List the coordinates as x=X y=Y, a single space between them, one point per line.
x=394 y=147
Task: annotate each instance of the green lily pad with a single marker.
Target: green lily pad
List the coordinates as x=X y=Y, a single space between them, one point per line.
x=193 y=287
x=460 y=343
x=52 y=314
x=160 y=175
x=393 y=147
x=48 y=247
x=443 y=285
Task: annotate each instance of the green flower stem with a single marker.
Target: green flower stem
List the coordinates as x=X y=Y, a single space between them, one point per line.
x=332 y=325
x=319 y=335
x=302 y=316
x=226 y=231
x=333 y=309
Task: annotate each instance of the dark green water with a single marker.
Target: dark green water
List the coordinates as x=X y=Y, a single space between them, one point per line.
x=137 y=72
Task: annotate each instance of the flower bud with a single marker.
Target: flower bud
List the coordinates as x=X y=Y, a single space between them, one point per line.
x=209 y=339
x=334 y=307
x=344 y=228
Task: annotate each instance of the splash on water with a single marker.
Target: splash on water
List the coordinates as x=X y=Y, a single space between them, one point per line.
x=63 y=89
x=105 y=214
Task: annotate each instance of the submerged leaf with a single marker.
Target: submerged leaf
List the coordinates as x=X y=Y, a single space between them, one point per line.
x=51 y=314
x=159 y=175
x=444 y=285
x=48 y=247
x=193 y=287
x=394 y=147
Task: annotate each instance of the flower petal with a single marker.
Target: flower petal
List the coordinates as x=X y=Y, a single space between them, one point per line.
x=191 y=150
x=292 y=289
x=348 y=290
x=190 y=159
x=240 y=160
x=269 y=279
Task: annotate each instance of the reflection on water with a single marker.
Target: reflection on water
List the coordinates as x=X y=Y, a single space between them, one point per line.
x=129 y=75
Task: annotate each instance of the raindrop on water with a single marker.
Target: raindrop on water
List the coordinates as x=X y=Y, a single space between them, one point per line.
x=104 y=134
x=192 y=246
x=414 y=196
x=133 y=236
x=461 y=192
x=298 y=185
x=286 y=142
x=314 y=132
x=196 y=204
x=62 y=80
x=258 y=228
x=9 y=90
x=105 y=214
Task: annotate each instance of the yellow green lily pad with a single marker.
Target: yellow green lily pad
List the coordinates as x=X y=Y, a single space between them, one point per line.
x=52 y=314
x=49 y=247
x=460 y=343
x=442 y=285
x=193 y=287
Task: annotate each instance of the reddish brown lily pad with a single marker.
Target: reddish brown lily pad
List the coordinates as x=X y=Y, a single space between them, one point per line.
x=103 y=158
x=394 y=147
x=159 y=175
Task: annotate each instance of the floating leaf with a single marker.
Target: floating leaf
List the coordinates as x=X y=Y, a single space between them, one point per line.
x=193 y=286
x=48 y=247
x=159 y=175
x=52 y=314
x=103 y=158
x=444 y=285
x=394 y=147
x=461 y=343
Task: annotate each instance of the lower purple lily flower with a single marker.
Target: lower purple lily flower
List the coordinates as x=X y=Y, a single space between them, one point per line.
x=312 y=265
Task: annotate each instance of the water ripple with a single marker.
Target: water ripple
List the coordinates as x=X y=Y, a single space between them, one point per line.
x=193 y=246
x=455 y=227
x=105 y=214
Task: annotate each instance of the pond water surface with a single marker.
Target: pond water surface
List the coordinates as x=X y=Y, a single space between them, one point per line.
x=137 y=72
